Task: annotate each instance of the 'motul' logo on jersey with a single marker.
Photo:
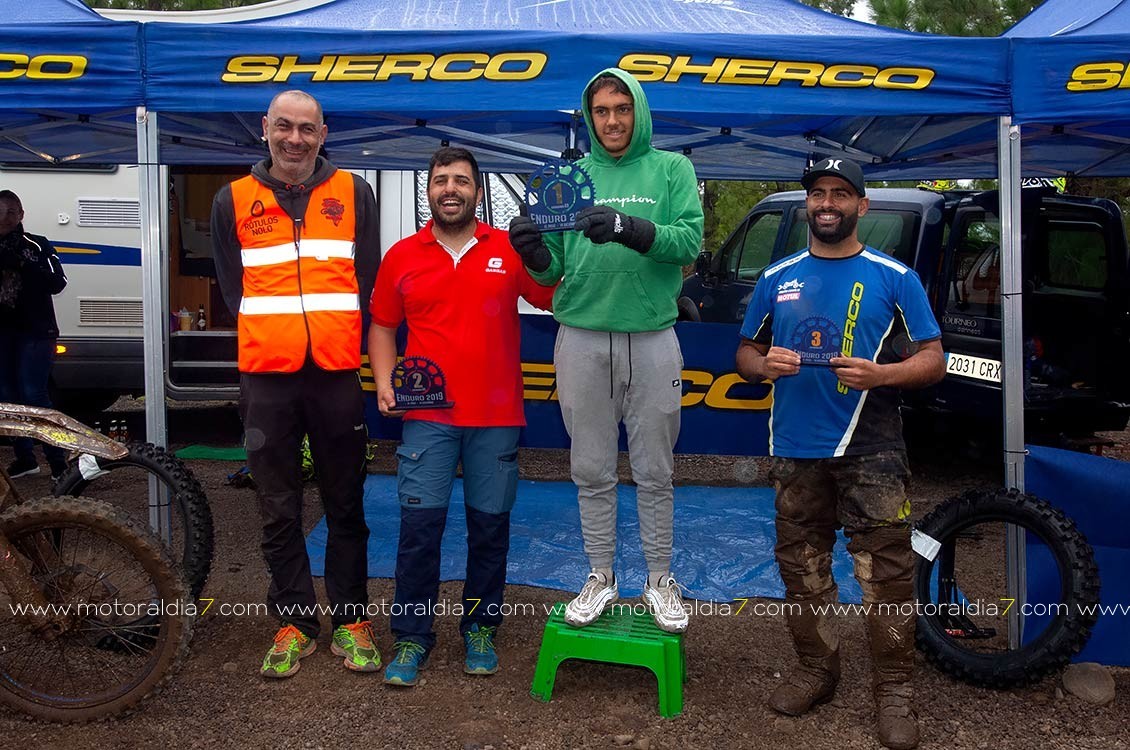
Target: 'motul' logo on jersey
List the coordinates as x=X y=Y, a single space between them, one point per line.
x=789 y=291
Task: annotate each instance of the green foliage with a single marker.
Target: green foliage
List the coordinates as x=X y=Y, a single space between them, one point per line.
x=726 y=203
x=839 y=7
x=951 y=17
x=1116 y=189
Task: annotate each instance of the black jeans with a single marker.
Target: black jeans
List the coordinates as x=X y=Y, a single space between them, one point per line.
x=25 y=368
x=277 y=410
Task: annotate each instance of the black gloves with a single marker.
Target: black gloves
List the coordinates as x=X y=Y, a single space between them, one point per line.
x=526 y=239
x=604 y=224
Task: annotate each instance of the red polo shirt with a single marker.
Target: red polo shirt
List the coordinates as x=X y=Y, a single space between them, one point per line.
x=464 y=317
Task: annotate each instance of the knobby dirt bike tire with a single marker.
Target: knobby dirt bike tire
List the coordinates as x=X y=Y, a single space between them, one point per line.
x=187 y=497
x=1064 y=636
x=169 y=632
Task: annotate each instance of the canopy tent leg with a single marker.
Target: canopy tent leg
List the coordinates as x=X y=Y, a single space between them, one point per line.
x=155 y=326
x=1012 y=357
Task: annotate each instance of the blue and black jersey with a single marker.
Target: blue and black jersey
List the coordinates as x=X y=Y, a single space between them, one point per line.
x=867 y=305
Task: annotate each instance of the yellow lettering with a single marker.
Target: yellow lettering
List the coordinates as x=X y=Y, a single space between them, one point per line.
x=682 y=64
x=355 y=67
x=1098 y=76
x=542 y=385
x=469 y=66
x=746 y=71
x=718 y=396
x=251 y=69
x=896 y=78
x=318 y=71
x=534 y=65
x=646 y=68
x=807 y=73
x=74 y=66
x=693 y=379
x=849 y=76
x=415 y=66
x=18 y=64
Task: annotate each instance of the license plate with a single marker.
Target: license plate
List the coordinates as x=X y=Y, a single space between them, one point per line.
x=973 y=367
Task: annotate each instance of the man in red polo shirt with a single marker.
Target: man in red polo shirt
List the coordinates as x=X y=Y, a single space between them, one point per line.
x=456 y=282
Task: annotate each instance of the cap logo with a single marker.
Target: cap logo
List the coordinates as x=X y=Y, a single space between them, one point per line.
x=834 y=164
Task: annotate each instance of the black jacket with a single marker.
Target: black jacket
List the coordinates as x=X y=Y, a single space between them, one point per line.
x=30 y=273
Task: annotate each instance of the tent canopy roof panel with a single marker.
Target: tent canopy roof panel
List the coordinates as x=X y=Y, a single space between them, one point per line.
x=748 y=88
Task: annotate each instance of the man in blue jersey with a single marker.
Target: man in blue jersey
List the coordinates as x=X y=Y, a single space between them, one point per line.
x=840 y=328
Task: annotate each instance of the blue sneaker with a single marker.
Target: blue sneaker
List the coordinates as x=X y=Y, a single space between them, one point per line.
x=408 y=659
x=481 y=657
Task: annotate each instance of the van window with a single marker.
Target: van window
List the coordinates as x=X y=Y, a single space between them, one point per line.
x=756 y=246
x=974 y=288
x=1076 y=255
x=890 y=231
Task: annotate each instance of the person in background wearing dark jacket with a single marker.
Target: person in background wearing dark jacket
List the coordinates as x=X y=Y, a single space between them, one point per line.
x=30 y=273
x=296 y=248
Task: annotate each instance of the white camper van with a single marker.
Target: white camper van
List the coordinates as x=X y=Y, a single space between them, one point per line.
x=92 y=215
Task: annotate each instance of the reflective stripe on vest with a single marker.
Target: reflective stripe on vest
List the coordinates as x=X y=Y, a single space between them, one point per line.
x=303 y=295
x=297 y=305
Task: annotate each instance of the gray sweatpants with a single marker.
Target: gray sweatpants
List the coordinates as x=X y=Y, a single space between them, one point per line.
x=602 y=379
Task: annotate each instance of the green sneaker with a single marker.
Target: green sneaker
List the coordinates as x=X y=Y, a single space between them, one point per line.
x=358 y=646
x=290 y=645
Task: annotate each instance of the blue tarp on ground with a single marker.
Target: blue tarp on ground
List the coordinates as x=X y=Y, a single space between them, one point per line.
x=724 y=540
x=1092 y=491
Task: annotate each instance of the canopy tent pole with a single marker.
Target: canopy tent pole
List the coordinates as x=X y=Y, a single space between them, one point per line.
x=155 y=324
x=1012 y=357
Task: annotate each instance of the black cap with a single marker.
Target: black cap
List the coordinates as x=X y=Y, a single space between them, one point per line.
x=836 y=166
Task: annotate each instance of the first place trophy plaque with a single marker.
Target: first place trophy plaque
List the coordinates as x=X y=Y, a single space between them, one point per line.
x=556 y=193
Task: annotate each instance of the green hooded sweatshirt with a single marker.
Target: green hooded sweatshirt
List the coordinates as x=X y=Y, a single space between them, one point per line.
x=611 y=287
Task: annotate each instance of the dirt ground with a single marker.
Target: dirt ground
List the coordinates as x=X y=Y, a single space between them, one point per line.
x=218 y=698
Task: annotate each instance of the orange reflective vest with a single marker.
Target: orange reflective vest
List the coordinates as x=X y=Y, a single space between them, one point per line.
x=299 y=283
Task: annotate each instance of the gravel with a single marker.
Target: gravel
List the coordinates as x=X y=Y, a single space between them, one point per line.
x=733 y=662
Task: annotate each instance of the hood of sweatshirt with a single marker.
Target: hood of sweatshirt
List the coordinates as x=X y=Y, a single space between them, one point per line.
x=641 y=132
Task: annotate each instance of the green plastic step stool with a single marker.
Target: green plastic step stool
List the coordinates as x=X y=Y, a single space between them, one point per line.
x=617 y=637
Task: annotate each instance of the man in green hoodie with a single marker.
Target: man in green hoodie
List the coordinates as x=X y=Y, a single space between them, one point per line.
x=617 y=357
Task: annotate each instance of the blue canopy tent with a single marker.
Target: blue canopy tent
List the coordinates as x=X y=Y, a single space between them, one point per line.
x=749 y=89
x=70 y=81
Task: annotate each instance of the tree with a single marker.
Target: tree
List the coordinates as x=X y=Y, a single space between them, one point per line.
x=951 y=17
x=726 y=203
x=839 y=7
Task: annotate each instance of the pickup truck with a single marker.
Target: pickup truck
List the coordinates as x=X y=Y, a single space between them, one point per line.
x=1076 y=296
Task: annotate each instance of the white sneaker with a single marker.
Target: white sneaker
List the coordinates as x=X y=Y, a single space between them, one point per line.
x=595 y=595
x=666 y=604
